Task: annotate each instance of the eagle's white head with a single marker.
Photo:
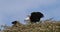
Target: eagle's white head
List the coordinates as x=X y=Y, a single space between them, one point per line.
x=27 y=18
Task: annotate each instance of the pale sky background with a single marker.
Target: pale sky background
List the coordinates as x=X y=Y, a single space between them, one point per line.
x=11 y=10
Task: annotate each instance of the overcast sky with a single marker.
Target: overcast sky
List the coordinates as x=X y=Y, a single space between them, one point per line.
x=11 y=10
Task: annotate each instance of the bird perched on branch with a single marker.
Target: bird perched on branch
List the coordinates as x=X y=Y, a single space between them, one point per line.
x=36 y=16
